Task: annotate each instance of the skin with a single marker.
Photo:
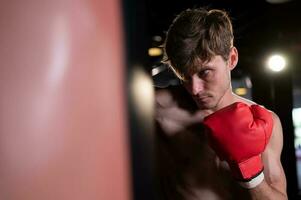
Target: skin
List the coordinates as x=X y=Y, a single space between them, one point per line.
x=207 y=176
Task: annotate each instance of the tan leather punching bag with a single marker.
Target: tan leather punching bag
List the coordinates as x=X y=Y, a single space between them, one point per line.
x=62 y=110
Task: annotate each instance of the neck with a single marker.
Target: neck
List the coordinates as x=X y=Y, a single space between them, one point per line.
x=226 y=100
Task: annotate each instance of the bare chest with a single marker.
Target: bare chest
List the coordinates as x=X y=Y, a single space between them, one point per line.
x=190 y=168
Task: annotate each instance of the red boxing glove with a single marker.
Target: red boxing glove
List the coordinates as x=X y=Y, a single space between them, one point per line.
x=239 y=134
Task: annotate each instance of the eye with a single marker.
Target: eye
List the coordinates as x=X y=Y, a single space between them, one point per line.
x=204 y=73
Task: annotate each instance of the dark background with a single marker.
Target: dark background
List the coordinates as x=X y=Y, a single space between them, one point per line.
x=260 y=28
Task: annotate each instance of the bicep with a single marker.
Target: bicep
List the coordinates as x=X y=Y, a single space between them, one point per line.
x=273 y=171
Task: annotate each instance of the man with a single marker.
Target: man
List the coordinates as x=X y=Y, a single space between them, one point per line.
x=225 y=158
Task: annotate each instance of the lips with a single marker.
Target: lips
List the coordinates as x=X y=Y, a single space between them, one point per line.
x=201 y=98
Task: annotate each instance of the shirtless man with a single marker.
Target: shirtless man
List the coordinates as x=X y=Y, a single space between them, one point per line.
x=199 y=49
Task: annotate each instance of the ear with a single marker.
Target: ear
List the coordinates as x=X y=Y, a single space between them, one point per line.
x=233 y=58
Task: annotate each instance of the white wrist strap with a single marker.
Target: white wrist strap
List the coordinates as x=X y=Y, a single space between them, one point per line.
x=254 y=182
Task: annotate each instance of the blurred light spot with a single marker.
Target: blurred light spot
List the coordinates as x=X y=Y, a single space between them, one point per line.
x=241 y=91
x=157 y=38
x=297 y=121
x=142 y=88
x=276 y=63
x=156 y=70
x=277 y=1
x=248 y=82
x=155 y=51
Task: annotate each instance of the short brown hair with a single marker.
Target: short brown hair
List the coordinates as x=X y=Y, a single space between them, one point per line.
x=197 y=35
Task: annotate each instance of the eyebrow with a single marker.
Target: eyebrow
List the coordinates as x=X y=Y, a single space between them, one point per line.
x=197 y=70
x=204 y=67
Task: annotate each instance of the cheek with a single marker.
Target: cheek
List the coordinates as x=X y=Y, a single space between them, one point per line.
x=219 y=82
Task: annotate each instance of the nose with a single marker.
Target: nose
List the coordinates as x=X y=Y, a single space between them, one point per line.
x=196 y=85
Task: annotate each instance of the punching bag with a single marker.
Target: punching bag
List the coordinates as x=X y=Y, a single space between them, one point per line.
x=62 y=112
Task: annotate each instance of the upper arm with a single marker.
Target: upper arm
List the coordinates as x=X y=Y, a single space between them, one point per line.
x=163 y=98
x=273 y=171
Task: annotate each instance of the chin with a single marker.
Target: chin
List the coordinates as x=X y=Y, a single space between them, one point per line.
x=206 y=105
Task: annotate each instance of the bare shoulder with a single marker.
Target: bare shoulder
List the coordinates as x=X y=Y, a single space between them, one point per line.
x=244 y=100
x=163 y=98
x=273 y=170
x=276 y=141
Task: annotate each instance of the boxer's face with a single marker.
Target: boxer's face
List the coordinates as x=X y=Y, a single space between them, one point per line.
x=211 y=83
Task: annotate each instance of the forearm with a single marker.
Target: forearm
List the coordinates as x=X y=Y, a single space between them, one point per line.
x=264 y=191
